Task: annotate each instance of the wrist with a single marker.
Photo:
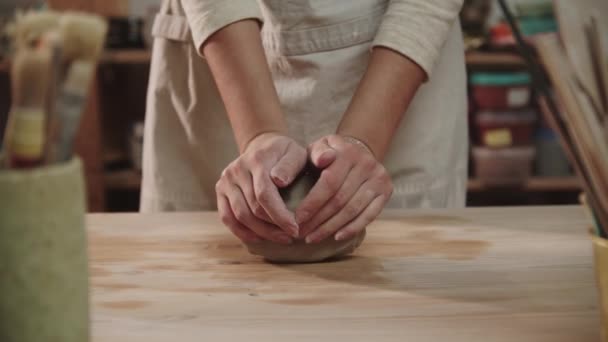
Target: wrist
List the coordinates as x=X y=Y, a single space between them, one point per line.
x=257 y=136
x=363 y=139
x=359 y=143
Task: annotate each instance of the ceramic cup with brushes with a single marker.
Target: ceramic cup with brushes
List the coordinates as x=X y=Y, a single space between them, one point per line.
x=299 y=251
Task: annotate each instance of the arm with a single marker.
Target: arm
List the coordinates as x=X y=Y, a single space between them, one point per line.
x=407 y=46
x=388 y=86
x=248 y=200
x=238 y=64
x=353 y=190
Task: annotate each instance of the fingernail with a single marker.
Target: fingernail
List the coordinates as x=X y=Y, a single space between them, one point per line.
x=295 y=234
x=293 y=226
x=310 y=239
x=340 y=236
x=295 y=231
x=279 y=179
x=302 y=217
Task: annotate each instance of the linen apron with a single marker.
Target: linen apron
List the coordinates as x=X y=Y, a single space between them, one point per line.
x=317 y=52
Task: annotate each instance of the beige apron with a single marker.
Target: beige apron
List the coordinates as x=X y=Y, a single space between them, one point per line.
x=317 y=54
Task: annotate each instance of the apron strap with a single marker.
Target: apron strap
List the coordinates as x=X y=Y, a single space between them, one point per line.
x=171 y=23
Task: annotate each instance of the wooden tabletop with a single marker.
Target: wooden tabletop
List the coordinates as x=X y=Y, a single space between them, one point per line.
x=497 y=274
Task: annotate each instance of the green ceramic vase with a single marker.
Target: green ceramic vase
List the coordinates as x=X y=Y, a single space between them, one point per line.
x=44 y=286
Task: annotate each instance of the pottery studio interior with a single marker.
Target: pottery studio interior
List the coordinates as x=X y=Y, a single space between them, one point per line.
x=303 y=170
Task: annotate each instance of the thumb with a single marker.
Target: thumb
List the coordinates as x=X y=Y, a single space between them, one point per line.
x=321 y=154
x=288 y=167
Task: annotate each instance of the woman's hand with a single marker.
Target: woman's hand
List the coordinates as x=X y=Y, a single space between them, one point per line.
x=248 y=199
x=351 y=192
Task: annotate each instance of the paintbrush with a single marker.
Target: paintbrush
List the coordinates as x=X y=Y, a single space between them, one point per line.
x=600 y=67
x=552 y=112
x=83 y=35
x=25 y=132
x=596 y=227
x=37 y=29
x=29 y=27
x=83 y=38
x=54 y=42
x=70 y=104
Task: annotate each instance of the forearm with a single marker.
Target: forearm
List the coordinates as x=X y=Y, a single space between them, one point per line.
x=383 y=96
x=236 y=58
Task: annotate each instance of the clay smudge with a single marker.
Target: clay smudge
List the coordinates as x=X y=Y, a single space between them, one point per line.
x=426 y=242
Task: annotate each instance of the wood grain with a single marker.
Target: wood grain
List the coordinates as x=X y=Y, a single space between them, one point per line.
x=498 y=274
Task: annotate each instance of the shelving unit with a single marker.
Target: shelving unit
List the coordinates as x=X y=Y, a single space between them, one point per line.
x=131 y=56
x=494 y=61
x=537 y=189
x=135 y=56
x=4 y=65
x=473 y=59
x=534 y=184
x=129 y=180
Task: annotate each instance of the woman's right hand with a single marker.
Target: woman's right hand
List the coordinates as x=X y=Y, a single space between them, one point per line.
x=248 y=200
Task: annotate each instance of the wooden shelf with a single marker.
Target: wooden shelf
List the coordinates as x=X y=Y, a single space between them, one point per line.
x=534 y=184
x=114 y=156
x=5 y=65
x=131 y=180
x=473 y=59
x=491 y=60
x=123 y=180
x=133 y=56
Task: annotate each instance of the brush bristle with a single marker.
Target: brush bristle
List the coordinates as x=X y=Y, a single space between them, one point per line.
x=83 y=35
x=30 y=26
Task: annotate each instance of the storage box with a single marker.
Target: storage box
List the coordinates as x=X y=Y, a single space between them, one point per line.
x=503 y=166
x=534 y=8
x=504 y=129
x=551 y=160
x=501 y=90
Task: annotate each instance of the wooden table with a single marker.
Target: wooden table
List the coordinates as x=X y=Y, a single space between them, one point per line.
x=497 y=274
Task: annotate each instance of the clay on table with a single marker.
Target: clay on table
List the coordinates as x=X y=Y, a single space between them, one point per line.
x=299 y=251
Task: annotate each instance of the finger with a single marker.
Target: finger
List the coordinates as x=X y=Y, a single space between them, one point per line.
x=327 y=186
x=288 y=167
x=363 y=220
x=244 y=181
x=321 y=154
x=244 y=216
x=267 y=194
x=357 y=204
x=230 y=221
x=353 y=181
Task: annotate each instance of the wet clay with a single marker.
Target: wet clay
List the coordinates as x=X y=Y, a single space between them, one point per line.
x=299 y=251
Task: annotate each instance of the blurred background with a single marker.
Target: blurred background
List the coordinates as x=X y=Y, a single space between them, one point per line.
x=515 y=159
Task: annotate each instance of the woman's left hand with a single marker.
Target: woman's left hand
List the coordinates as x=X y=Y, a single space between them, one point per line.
x=350 y=193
